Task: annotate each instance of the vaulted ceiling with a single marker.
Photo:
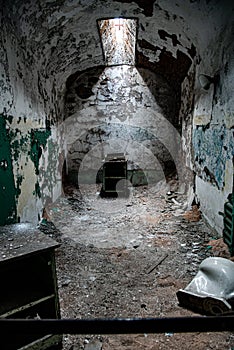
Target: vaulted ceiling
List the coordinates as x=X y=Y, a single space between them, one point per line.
x=55 y=39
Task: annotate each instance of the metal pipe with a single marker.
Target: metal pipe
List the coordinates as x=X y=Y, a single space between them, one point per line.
x=118 y=326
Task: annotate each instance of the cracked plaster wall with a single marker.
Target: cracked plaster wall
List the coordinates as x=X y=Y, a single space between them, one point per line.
x=213 y=128
x=29 y=129
x=121 y=109
x=43 y=43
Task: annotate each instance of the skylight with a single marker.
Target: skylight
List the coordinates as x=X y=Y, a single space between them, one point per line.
x=118 y=40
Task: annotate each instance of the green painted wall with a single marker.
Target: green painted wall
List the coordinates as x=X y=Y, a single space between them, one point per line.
x=7 y=184
x=38 y=141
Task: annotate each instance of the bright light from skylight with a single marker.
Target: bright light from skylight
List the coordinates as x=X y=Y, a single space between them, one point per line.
x=118 y=40
x=119 y=32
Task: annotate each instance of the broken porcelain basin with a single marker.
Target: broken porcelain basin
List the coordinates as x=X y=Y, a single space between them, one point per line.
x=211 y=292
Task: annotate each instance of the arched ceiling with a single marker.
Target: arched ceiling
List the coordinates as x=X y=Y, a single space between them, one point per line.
x=58 y=38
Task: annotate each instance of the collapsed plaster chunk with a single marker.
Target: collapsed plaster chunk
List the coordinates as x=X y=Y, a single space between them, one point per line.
x=118 y=37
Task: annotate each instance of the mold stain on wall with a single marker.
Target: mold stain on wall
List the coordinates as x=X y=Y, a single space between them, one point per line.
x=212 y=148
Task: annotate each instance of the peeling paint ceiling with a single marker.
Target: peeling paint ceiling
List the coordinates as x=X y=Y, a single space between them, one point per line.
x=54 y=39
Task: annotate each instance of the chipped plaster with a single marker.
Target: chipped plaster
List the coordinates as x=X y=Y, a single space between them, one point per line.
x=43 y=43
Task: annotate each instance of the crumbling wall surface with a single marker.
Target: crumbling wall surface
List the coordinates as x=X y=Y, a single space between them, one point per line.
x=213 y=126
x=43 y=43
x=28 y=175
x=33 y=165
x=121 y=109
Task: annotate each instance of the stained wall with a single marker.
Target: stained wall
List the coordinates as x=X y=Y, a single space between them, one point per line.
x=45 y=44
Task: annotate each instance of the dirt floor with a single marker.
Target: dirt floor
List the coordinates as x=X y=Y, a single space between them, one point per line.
x=128 y=258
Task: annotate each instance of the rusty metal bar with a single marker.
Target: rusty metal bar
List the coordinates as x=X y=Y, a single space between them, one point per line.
x=118 y=326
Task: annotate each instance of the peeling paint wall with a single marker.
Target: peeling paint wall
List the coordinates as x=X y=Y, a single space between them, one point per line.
x=33 y=180
x=7 y=185
x=29 y=128
x=128 y=109
x=44 y=44
x=213 y=126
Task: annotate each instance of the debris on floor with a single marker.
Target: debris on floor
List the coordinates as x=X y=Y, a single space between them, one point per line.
x=193 y=215
x=219 y=248
x=94 y=344
x=129 y=262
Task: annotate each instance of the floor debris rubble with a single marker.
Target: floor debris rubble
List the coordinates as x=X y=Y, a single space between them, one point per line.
x=130 y=263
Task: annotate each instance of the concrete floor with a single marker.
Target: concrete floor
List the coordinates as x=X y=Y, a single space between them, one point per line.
x=128 y=258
